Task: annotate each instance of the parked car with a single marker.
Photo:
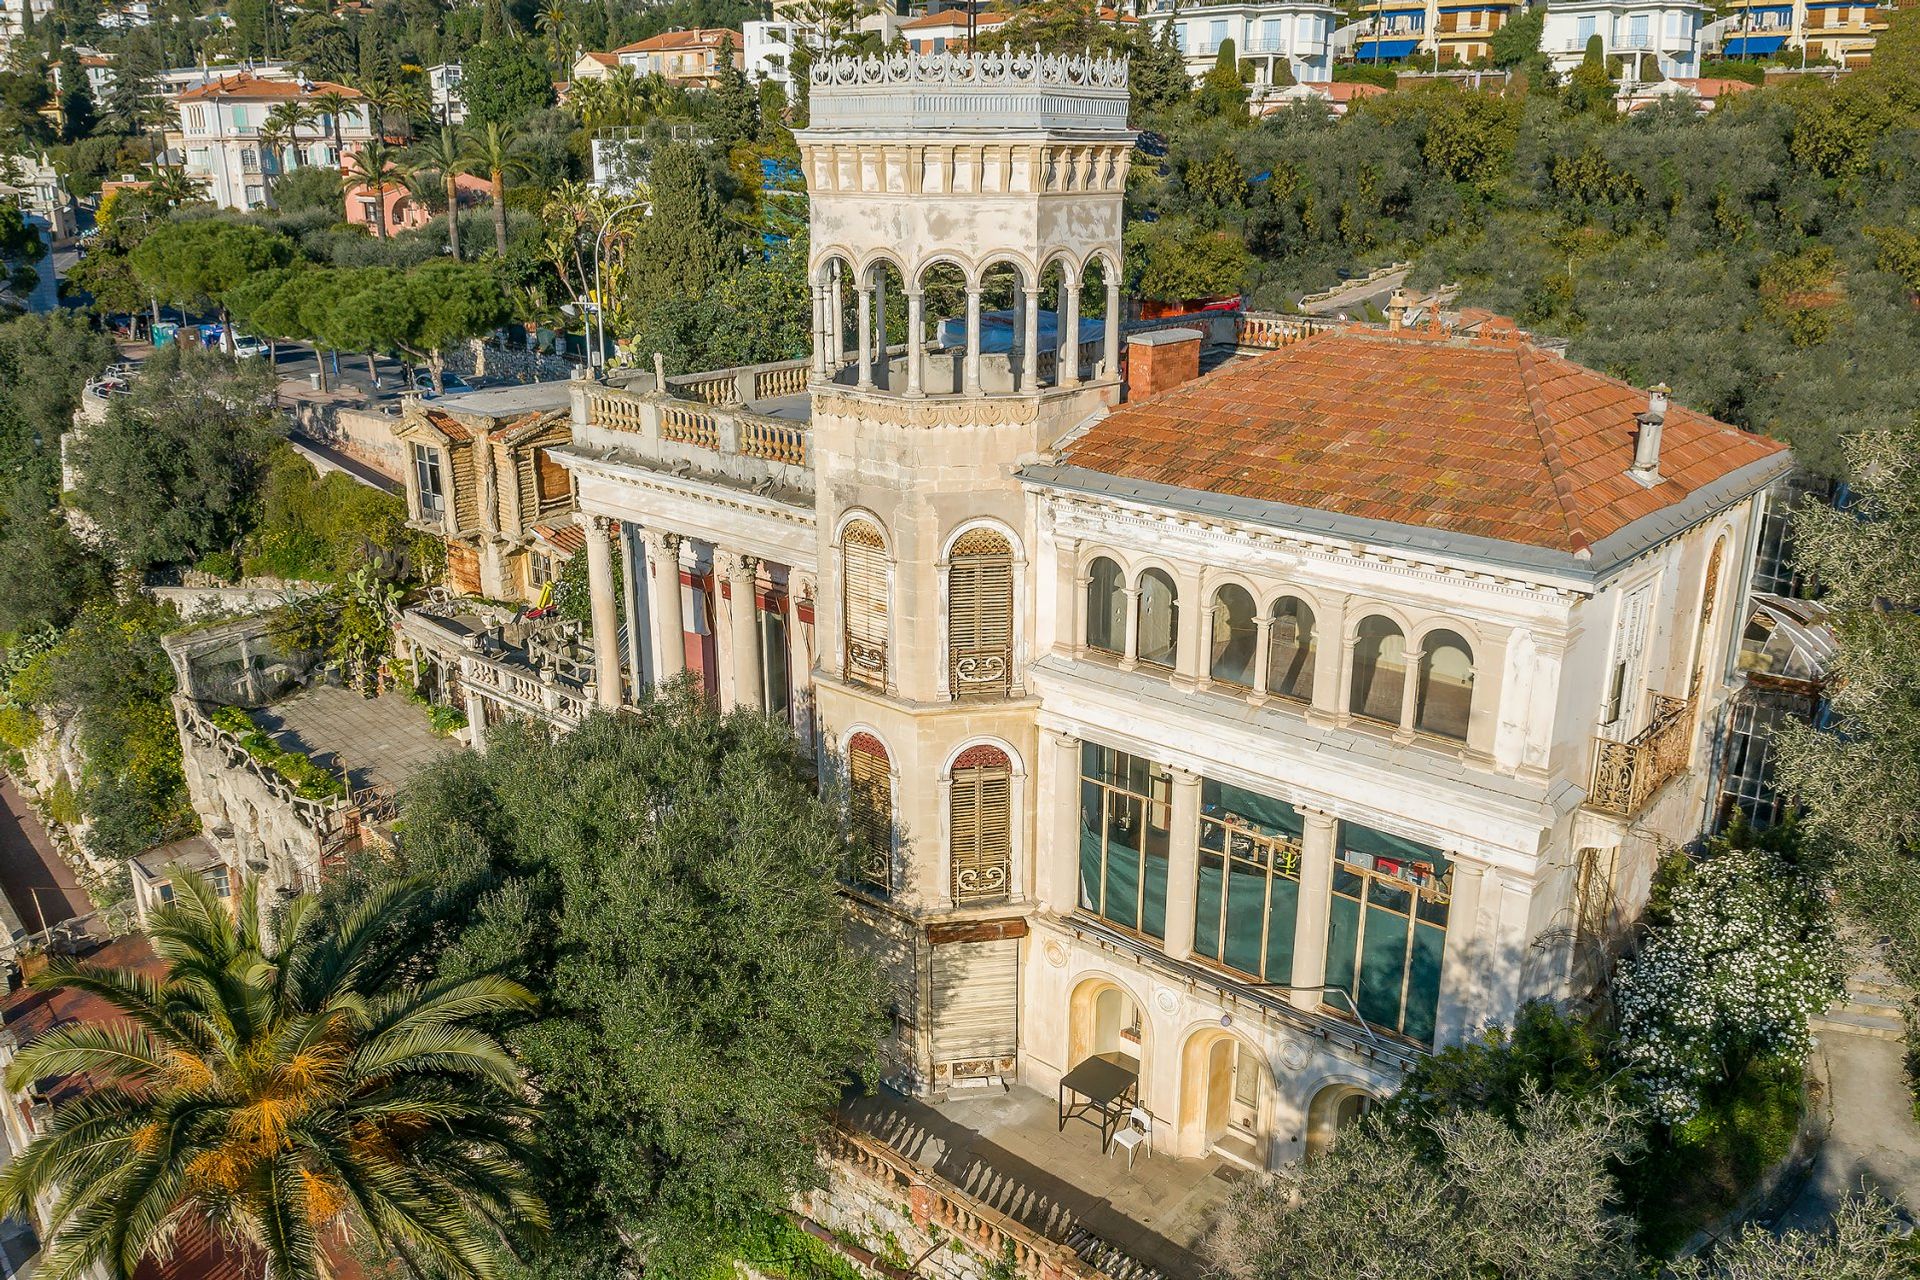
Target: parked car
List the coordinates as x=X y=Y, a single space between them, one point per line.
x=450 y=383
x=248 y=348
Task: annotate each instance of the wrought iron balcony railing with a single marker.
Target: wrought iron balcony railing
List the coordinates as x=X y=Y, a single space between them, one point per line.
x=1627 y=774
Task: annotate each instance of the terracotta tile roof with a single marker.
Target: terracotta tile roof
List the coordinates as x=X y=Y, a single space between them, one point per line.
x=569 y=538
x=604 y=59
x=449 y=426
x=956 y=18
x=1491 y=437
x=1343 y=90
x=698 y=38
x=247 y=87
x=30 y=1013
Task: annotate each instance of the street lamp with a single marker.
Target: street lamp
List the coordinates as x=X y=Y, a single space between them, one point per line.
x=597 y=306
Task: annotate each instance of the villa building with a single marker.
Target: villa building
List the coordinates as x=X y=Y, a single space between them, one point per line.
x=1253 y=732
x=1836 y=31
x=690 y=58
x=1659 y=37
x=226 y=140
x=1408 y=30
x=1294 y=36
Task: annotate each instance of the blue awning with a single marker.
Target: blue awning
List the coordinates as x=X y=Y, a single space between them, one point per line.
x=1752 y=46
x=1384 y=50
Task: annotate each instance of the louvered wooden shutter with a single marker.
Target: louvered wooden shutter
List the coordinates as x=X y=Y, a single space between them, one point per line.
x=863 y=575
x=870 y=810
x=981 y=825
x=980 y=616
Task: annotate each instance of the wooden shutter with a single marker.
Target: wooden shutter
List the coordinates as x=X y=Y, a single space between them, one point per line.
x=863 y=581
x=980 y=616
x=976 y=1006
x=981 y=826
x=870 y=810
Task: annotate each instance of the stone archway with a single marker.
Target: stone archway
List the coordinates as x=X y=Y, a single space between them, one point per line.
x=1103 y=1018
x=1226 y=1098
x=1333 y=1108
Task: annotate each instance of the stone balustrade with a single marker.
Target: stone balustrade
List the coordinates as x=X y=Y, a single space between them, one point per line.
x=724 y=441
x=1268 y=331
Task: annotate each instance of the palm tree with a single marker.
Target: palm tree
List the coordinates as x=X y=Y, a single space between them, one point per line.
x=444 y=153
x=332 y=104
x=554 y=24
x=377 y=167
x=174 y=187
x=285 y=120
x=283 y=1093
x=492 y=152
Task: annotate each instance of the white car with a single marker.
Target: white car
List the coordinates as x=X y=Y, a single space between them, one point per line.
x=245 y=348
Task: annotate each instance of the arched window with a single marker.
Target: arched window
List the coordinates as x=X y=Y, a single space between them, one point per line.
x=1446 y=686
x=1231 y=659
x=980 y=615
x=980 y=820
x=863 y=595
x=870 y=811
x=1159 y=619
x=1106 y=607
x=1379 y=670
x=1290 y=649
x=1708 y=591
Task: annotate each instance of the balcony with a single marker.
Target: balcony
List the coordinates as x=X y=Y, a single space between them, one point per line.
x=742 y=427
x=1626 y=775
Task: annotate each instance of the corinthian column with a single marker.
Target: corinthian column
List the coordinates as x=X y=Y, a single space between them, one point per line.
x=606 y=627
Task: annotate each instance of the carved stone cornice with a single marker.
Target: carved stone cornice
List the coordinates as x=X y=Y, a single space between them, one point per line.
x=960 y=411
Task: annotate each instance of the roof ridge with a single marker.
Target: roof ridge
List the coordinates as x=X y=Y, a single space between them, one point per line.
x=1542 y=424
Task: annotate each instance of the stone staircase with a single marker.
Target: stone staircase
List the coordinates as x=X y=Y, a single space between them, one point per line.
x=1872 y=1007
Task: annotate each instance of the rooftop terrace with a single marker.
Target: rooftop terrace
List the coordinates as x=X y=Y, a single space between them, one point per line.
x=382 y=742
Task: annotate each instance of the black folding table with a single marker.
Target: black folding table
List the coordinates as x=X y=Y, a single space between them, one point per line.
x=1108 y=1084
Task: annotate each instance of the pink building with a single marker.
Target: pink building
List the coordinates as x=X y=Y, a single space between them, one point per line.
x=400 y=209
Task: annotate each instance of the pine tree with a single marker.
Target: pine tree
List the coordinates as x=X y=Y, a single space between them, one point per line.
x=736 y=108
x=685 y=246
x=1157 y=73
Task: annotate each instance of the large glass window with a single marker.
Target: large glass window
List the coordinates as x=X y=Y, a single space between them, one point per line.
x=1445 y=700
x=1231 y=659
x=1159 y=618
x=1106 y=607
x=433 y=492
x=1387 y=928
x=1125 y=806
x=1379 y=670
x=1290 y=649
x=1249 y=889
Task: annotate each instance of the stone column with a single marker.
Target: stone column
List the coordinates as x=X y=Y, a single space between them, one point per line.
x=1183 y=863
x=1130 y=656
x=836 y=333
x=606 y=627
x=1262 y=657
x=1190 y=664
x=1056 y=880
x=476 y=720
x=743 y=626
x=669 y=627
x=1310 y=924
x=916 y=319
x=882 y=374
x=1110 y=360
x=1069 y=334
x=819 y=331
x=972 y=385
x=1467 y=952
x=865 y=349
x=1030 y=340
x=632 y=565
x=1331 y=649
x=800 y=658
x=1412 y=667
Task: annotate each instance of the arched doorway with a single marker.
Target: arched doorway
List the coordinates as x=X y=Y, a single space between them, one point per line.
x=1223 y=1098
x=1334 y=1108
x=1105 y=1020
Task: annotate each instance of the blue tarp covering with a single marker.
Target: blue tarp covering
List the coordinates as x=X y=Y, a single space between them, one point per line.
x=996 y=331
x=1384 y=50
x=1752 y=46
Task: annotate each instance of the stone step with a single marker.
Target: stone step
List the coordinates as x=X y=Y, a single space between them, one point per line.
x=1872 y=1002
x=1878 y=983
x=1839 y=1021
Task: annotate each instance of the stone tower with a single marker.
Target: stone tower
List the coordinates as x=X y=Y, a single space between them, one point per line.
x=983 y=192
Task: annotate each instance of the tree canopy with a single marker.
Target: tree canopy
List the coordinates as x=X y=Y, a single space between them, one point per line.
x=663 y=880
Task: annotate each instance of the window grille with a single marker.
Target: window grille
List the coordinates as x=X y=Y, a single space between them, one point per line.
x=981 y=825
x=863 y=574
x=980 y=616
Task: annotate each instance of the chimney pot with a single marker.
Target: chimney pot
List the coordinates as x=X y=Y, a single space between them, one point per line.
x=1397 y=310
x=1646 y=442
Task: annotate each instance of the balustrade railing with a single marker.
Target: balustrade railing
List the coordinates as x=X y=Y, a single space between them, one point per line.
x=688 y=426
x=774 y=441
x=1270 y=332
x=1626 y=774
x=728 y=430
x=782 y=380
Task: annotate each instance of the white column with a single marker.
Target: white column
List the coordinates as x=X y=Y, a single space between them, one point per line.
x=865 y=348
x=1130 y=657
x=476 y=720
x=1069 y=334
x=1262 y=665
x=1465 y=959
x=1183 y=862
x=1056 y=880
x=836 y=331
x=1310 y=922
x=1030 y=341
x=973 y=346
x=606 y=628
x=743 y=625
x=1110 y=362
x=633 y=593
x=916 y=319
x=800 y=657
x=882 y=375
x=669 y=626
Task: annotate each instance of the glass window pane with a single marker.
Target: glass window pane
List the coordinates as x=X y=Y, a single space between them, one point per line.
x=1423 y=982
x=1383 y=965
x=1231 y=659
x=1290 y=650
x=1343 y=937
x=1153 y=906
x=1122 y=886
x=1159 y=618
x=1246 y=913
x=1446 y=686
x=1206 y=915
x=1090 y=828
x=1282 y=907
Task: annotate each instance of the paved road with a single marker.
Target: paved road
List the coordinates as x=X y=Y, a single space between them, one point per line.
x=1352 y=298
x=38 y=884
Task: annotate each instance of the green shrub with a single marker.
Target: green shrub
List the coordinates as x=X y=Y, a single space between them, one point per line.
x=19 y=727
x=777 y=1248
x=310 y=781
x=63 y=806
x=445 y=721
x=1386 y=75
x=219 y=564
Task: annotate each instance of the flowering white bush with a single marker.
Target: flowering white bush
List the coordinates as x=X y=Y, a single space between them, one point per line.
x=1748 y=957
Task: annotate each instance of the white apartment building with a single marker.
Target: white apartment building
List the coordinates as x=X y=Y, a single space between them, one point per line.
x=221 y=126
x=769 y=45
x=1661 y=38
x=443 y=92
x=1254 y=735
x=1296 y=34
x=13 y=16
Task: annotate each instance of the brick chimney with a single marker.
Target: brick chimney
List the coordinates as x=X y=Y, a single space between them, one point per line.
x=1161 y=360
